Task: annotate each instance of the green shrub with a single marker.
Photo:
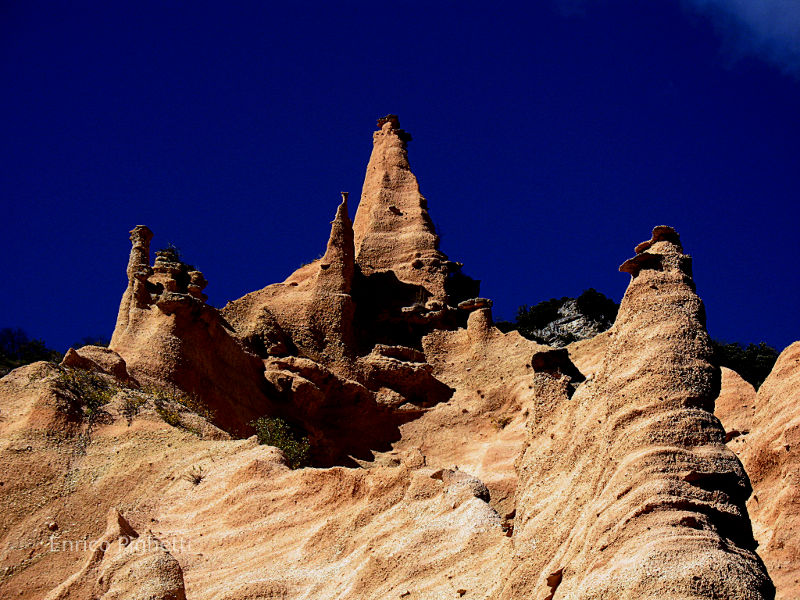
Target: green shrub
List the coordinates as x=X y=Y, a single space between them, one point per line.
x=89 y=393
x=169 y=415
x=274 y=431
x=592 y=304
x=597 y=306
x=171 y=252
x=530 y=318
x=131 y=407
x=753 y=362
x=161 y=394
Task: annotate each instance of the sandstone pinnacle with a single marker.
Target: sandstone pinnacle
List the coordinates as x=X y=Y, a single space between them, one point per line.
x=331 y=310
x=337 y=266
x=392 y=228
x=642 y=482
x=507 y=469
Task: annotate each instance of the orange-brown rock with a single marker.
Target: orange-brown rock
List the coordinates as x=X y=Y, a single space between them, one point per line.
x=332 y=310
x=393 y=230
x=450 y=459
x=361 y=292
x=169 y=337
x=312 y=311
x=100 y=359
x=136 y=294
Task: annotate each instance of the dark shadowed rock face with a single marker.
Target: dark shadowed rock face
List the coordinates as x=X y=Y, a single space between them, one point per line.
x=559 y=322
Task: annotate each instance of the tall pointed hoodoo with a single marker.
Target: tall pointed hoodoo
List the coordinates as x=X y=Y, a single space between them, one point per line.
x=393 y=231
x=136 y=295
x=644 y=500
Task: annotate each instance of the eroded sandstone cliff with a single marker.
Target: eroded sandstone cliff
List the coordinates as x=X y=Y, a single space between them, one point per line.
x=450 y=459
x=764 y=430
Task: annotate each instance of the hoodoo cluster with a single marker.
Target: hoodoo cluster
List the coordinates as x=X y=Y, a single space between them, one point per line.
x=451 y=459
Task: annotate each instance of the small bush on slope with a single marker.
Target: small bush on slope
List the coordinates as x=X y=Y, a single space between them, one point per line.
x=89 y=392
x=274 y=431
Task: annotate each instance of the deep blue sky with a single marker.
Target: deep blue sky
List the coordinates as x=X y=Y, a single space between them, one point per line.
x=549 y=138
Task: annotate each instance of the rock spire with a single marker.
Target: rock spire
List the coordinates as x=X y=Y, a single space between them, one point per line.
x=167 y=335
x=331 y=310
x=393 y=231
x=644 y=499
x=135 y=295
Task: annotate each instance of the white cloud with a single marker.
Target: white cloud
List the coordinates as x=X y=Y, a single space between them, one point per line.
x=766 y=28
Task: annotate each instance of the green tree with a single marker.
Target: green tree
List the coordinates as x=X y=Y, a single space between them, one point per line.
x=753 y=362
x=17 y=349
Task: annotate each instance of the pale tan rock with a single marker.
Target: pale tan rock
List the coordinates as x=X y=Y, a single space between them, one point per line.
x=735 y=405
x=481 y=429
x=587 y=355
x=121 y=565
x=100 y=359
x=771 y=456
x=250 y=528
x=626 y=488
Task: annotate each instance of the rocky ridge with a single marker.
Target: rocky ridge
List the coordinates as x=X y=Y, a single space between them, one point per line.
x=450 y=459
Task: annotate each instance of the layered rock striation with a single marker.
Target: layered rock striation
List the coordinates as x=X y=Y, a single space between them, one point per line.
x=626 y=487
x=450 y=459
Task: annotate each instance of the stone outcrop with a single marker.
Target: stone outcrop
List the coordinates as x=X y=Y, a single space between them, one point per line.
x=99 y=359
x=449 y=459
x=382 y=280
x=735 y=406
x=311 y=313
x=393 y=230
x=332 y=310
x=627 y=488
x=767 y=427
x=136 y=295
x=122 y=564
x=169 y=337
